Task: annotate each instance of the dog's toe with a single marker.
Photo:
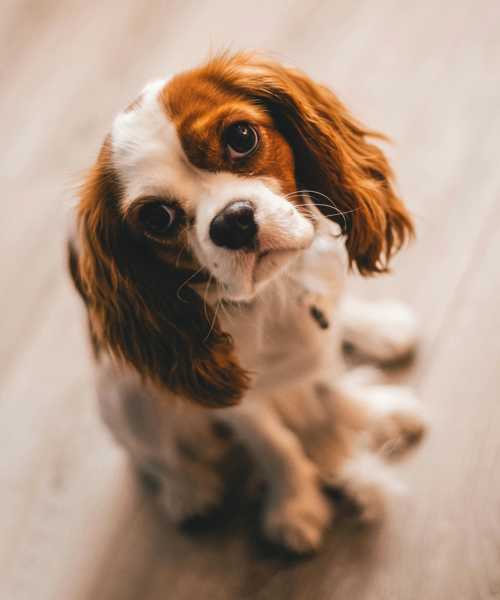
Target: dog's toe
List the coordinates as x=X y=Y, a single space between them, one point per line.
x=401 y=421
x=366 y=481
x=299 y=522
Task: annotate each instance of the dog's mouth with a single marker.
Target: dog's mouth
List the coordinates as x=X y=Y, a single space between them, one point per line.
x=250 y=274
x=256 y=270
x=271 y=261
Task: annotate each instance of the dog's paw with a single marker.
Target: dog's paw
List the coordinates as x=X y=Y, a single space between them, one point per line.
x=384 y=331
x=399 y=422
x=365 y=480
x=184 y=499
x=363 y=375
x=298 y=522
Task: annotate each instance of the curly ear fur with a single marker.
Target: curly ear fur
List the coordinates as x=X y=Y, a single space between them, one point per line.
x=333 y=156
x=134 y=312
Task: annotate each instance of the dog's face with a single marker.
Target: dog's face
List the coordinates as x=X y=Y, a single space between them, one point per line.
x=220 y=176
x=208 y=181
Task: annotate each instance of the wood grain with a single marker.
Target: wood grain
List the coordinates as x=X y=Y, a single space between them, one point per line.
x=73 y=523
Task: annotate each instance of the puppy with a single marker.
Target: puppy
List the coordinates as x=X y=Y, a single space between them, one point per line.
x=213 y=238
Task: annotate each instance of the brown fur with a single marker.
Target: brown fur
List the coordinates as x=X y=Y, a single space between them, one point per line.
x=333 y=153
x=201 y=110
x=133 y=306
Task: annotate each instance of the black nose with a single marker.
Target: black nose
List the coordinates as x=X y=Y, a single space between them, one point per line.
x=234 y=227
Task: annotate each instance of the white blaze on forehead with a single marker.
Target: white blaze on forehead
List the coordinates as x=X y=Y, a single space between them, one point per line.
x=147 y=153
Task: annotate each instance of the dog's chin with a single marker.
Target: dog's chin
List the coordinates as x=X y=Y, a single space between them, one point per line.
x=256 y=273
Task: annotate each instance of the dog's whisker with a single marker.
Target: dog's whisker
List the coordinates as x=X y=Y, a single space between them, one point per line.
x=192 y=276
x=207 y=286
x=338 y=213
x=217 y=305
x=308 y=192
x=227 y=312
x=181 y=251
x=229 y=316
x=331 y=204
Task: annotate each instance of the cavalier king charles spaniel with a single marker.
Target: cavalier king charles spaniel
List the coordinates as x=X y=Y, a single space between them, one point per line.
x=214 y=234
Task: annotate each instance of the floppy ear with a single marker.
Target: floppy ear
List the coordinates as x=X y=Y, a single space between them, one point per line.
x=334 y=157
x=134 y=311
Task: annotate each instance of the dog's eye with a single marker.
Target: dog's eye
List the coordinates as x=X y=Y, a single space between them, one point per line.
x=157 y=217
x=241 y=139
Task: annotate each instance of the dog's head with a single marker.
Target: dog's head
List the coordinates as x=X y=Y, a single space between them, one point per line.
x=221 y=175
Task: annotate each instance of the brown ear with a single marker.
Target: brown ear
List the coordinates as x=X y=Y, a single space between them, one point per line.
x=134 y=311
x=334 y=157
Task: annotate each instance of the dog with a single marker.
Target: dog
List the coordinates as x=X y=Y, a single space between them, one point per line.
x=213 y=239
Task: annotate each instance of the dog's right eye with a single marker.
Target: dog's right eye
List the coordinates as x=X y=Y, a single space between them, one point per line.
x=157 y=217
x=241 y=140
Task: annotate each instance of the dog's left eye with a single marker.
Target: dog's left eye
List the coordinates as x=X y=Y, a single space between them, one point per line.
x=241 y=139
x=157 y=217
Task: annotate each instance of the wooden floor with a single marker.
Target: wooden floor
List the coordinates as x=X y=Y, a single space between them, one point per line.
x=73 y=523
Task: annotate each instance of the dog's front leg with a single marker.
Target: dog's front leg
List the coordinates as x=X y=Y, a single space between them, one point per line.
x=296 y=512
